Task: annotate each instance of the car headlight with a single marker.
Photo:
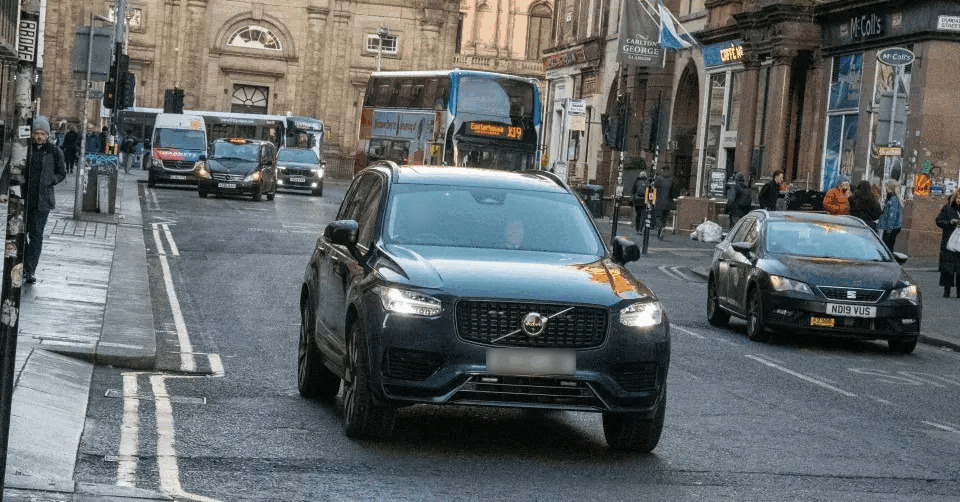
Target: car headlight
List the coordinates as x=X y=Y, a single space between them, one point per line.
x=282 y=168
x=156 y=162
x=254 y=176
x=642 y=315
x=909 y=293
x=318 y=172
x=784 y=284
x=404 y=301
x=201 y=168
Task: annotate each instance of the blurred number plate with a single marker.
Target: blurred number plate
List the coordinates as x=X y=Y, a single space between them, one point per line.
x=298 y=179
x=177 y=177
x=822 y=322
x=227 y=185
x=851 y=310
x=531 y=361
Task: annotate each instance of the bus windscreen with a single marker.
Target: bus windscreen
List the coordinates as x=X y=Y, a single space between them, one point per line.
x=495 y=97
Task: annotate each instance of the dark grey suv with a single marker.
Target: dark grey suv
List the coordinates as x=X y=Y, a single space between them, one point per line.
x=468 y=286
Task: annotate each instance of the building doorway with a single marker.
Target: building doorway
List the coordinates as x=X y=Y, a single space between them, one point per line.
x=685 y=114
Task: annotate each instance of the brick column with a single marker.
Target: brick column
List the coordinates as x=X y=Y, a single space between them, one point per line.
x=778 y=111
x=193 y=54
x=313 y=60
x=747 y=126
x=811 y=135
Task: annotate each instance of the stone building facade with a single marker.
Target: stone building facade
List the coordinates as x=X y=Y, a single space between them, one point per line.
x=306 y=57
x=505 y=36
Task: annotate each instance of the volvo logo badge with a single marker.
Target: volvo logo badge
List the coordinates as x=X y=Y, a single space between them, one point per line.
x=533 y=324
x=851 y=295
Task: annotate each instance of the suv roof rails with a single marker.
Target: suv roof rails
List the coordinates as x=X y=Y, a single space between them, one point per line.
x=389 y=164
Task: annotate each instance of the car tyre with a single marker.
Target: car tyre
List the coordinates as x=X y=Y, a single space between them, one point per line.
x=903 y=346
x=258 y=194
x=363 y=417
x=314 y=379
x=150 y=181
x=716 y=316
x=202 y=194
x=756 y=328
x=635 y=433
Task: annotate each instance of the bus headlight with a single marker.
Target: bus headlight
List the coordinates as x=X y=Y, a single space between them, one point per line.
x=157 y=163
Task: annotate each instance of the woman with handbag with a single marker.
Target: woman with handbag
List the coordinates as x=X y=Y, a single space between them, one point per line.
x=949 y=221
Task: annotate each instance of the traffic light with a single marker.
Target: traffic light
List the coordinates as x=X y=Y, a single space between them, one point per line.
x=614 y=127
x=127 y=90
x=110 y=89
x=173 y=101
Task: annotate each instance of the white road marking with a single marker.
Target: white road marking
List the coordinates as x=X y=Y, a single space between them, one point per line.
x=880 y=400
x=156 y=240
x=941 y=426
x=687 y=331
x=187 y=362
x=683 y=276
x=129 y=433
x=666 y=270
x=173 y=244
x=216 y=365
x=801 y=376
x=166 y=451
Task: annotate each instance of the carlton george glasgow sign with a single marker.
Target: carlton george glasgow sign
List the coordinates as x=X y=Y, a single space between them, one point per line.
x=896 y=56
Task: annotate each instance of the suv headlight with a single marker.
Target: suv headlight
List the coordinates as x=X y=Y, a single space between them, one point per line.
x=404 y=301
x=642 y=315
x=254 y=176
x=318 y=172
x=784 y=284
x=201 y=168
x=909 y=293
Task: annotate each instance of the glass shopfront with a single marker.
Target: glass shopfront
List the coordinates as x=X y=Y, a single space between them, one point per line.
x=843 y=116
x=721 y=116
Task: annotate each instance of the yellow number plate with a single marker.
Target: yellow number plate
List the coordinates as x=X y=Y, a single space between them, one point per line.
x=822 y=322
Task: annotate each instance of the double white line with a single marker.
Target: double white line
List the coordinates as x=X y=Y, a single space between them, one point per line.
x=187 y=362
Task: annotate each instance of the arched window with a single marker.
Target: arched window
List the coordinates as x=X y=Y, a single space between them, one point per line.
x=539 y=30
x=255 y=37
x=249 y=99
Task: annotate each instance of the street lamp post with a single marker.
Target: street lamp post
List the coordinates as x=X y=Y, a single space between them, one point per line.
x=382 y=33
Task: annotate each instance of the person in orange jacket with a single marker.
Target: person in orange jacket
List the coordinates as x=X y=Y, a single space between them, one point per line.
x=835 y=202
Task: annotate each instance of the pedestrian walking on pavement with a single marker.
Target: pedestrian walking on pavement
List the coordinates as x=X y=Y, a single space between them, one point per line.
x=664 y=203
x=129 y=150
x=770 y=192
x=94 y=142
x=837 y=202
x=639 y=203
x=949 y=221
x=891 y=221
x=864 y=204
x=46 y=167
x=739 y=200
x=71 y=148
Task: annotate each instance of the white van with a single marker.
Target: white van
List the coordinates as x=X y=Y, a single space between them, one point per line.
x=178 y=142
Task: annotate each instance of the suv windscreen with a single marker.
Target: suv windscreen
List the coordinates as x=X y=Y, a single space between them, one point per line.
x=434 y=215
x=301 y=156
x=244 y=151
x=187 y=139
x=823 y=240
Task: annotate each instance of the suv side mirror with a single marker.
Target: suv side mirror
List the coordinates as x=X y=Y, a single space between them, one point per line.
x=342 y=233
x=744 y=248
x=900 y=257
x=625 y=251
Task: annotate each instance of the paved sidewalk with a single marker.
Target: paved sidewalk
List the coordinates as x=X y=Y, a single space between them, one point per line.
x=91 y=301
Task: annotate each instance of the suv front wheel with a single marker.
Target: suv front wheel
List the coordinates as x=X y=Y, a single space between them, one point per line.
x=362 y=416
x=629 y=432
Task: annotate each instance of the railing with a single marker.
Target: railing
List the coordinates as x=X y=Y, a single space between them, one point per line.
x=501 y=65
x=339 y=166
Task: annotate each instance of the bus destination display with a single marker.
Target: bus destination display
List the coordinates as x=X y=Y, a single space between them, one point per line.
x=495 y=130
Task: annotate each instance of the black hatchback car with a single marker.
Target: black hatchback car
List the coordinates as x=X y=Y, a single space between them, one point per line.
x=239 y=167
x=469 y=286
x=797 y=273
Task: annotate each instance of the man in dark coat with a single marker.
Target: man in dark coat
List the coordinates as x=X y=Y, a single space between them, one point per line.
x=665 y=194
x=739 y=200
x=71 y=148
x=949 y=221
x=639 y=204
x=45 y=168
x=771 y=192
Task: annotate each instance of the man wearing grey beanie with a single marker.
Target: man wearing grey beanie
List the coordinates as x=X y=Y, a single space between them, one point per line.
x=45 y=168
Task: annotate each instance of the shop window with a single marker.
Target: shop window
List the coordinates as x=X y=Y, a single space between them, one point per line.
x=733 y=107
x=845 y=82
x=539 y=30
x=843 y=117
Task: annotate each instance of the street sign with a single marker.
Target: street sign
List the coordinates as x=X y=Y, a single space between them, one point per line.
x=577 y=107
x=889 y=151
x=948 y=23
x=896 y=56
x=27 y=40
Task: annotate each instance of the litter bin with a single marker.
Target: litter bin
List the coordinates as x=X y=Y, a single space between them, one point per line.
x=592 y=196
x=100 y=194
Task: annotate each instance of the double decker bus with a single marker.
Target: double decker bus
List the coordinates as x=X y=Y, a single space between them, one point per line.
x=281 y=130
x=454 y=117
